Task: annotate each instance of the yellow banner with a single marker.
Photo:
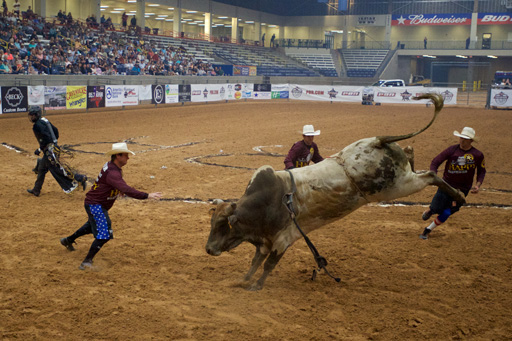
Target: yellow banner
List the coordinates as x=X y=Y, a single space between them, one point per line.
x=76 y=97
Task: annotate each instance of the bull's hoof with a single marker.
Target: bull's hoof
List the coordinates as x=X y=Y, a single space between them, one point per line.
x=254 y=287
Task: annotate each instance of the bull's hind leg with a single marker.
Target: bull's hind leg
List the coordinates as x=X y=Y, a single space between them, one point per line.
x=432 y=179
x=270 y=264
x=255 y=264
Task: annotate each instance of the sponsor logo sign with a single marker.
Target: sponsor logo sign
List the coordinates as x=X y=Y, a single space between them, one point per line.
x=494 y=18
x=158 y=94
x=431 y=19
x=501 y=98
x=76 y=97
x=184 y=93
x=96 y=96
x=36 y=95
x=171 y=93
x=14 y=99
x=55 y=97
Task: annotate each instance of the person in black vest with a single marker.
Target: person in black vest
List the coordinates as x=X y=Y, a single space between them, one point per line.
x=47 y=135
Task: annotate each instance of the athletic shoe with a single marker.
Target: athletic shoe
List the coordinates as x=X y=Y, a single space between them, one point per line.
x=67 y=244
x=423 y=236
x=31 y=191
x=86 y=264
x=426 y=215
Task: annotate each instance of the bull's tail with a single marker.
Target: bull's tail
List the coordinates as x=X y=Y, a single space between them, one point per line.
x=438 y=103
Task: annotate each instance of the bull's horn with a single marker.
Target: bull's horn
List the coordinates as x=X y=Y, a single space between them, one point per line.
x=217 y=201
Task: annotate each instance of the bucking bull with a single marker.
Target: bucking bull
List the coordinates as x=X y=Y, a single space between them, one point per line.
x=369 y=170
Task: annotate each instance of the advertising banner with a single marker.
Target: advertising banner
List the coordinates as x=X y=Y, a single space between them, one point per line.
x=326 y=93
x=431 y=19
x=76 y=97
x=145 y=93
x=208 y=92
x=262 y=91
x=494 y=18
x=405 y=95
x=96 y=96
x=247 y=89
x=280 y=91
x=242 y=70
x=54 y=97
x=158 y=94
x=130 y=95
x=501 y=98
x=14 y=99
x=36 y=95
x=184 y=93
x=172 y=93
x=234 y=91
x=114 y=95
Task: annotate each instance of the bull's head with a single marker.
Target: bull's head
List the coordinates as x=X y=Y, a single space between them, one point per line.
x=221 y=236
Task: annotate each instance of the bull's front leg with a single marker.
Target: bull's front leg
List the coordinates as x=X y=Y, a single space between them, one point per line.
x=270 y=264
x=255 y=264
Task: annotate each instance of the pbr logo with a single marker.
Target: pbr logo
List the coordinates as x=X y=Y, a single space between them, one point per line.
x=332 y=93
x=297 y=92
x=222 y=92
x=14 y=97
x=205 y=93
x=406 y=95
x=447 y=96
x=501 y=98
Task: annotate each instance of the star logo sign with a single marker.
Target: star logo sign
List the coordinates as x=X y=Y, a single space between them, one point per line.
x=332 y=93
x=406 y=95
x=401 y=20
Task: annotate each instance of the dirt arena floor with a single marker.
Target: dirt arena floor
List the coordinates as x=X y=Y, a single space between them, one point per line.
x=155 y=280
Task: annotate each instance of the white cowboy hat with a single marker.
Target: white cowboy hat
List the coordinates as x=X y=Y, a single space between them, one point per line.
x=119 y=148
x=308 y=130
x=467 y=133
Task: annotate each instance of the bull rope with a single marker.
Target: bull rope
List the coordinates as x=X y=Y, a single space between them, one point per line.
x=320 y=261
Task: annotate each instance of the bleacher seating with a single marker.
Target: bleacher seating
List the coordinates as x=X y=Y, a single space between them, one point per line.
x=320 y=60
x=363 y=63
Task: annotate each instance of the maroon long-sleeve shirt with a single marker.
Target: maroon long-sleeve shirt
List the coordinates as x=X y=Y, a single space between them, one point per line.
x=460 y=167
x=300 y=155
x=107 y=187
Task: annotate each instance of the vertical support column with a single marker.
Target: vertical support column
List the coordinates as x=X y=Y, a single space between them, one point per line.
x=141 y=13
x=344 y=43
x=208 y=26
x=472 y=33
x=95 y=4
x=257 y=32
x=40 y=8
x=281 y=33
x=234 y=30
x=177 y=20
x=387 y=35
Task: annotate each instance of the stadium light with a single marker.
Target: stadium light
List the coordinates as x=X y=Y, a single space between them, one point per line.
x=493 y=57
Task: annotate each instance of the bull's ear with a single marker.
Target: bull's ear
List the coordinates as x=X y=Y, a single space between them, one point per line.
x=211 y=211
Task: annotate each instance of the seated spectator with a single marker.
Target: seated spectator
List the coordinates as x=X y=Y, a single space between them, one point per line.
x=4 y=68
x=135 y=70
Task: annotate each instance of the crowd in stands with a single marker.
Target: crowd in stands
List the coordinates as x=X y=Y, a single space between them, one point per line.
x=32 y=45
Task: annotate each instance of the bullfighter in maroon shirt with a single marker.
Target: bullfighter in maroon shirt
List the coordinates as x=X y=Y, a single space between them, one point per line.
x=305 y=151
x=100 y=198
x=462 y=161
